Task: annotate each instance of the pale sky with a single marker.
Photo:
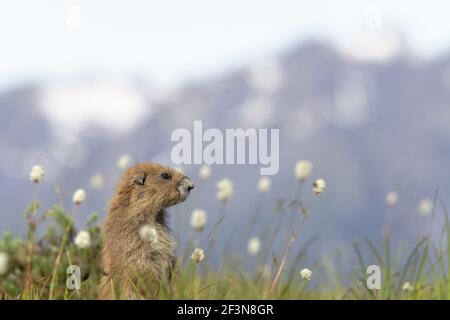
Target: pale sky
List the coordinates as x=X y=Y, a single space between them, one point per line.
x=170 y=41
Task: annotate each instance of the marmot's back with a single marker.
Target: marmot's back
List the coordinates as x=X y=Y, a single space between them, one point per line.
x=141 y=196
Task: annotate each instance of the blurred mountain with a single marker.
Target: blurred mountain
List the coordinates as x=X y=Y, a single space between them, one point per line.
x=368 y=128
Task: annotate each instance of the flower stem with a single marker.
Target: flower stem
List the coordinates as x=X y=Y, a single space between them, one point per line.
x=288 y=247
x=31 y=238
x=57 y=263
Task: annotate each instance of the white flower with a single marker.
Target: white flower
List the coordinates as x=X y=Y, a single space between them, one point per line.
x=124 y=161
x=148 y=233
x=306 y=274
x=83 y=240
x=224 y=189
x=425 y=206
x=198 y=219
x=264 y=184
x=253 y=246
x=303 y=170
x=407 y=286
x=198 y=255
x=97 y=181
x=179 y=169
x=79 y=196
x=391 y=198
x=4 y=259
x=204 y=172
x=319 y=186
x=37 y=173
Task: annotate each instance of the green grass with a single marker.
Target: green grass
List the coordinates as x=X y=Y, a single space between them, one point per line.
x=37 y=264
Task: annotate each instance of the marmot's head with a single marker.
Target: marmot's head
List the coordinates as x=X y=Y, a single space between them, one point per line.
x=151 y=187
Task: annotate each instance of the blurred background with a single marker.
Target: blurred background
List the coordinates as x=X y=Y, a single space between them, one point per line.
x=360 y=88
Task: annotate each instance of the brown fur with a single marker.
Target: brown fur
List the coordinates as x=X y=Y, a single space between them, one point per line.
x=141 y=197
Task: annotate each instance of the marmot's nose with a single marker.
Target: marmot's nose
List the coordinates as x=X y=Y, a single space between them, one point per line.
x=187 y=184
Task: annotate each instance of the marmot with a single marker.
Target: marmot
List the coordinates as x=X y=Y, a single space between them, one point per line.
x=141 y=196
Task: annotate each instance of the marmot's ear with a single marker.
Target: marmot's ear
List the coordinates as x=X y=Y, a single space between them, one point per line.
x=140 y=178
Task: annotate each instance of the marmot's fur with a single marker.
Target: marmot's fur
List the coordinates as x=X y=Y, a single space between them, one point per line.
x=141 y=196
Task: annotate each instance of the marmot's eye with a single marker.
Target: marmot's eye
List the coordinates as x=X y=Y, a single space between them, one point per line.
x=165 y=176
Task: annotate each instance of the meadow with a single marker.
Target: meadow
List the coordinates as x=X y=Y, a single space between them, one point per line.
x=38 y=266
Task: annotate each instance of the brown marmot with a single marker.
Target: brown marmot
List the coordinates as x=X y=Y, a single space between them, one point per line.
x=141 y=196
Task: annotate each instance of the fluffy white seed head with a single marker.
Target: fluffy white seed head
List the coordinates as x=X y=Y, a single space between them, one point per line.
x=264 y=184
x=79 y=196
x=198 y=219
x=253 y=246
x=319 y=186
x=37 y=173
x=83 y=240
x=204 y=172
x=306 y=274
x=303 y=170
x=148 y=233
x=124 y=161
x=392 y=198
x=407 y=286
x=4 y=260
x=224 y=189
x=198 y=255
x=97 y=181
x=425 y=206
